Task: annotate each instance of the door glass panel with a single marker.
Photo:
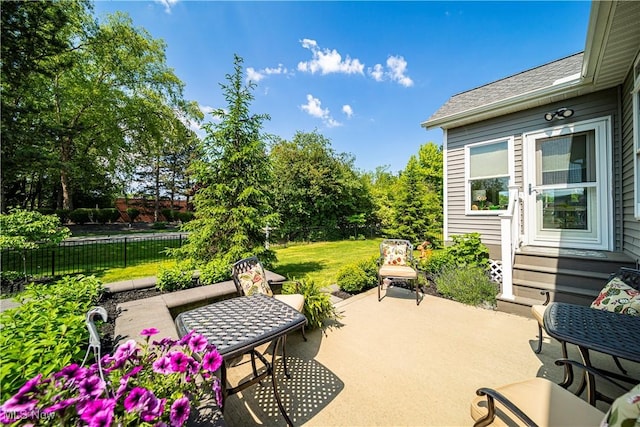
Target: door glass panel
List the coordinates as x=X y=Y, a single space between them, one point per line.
x=565 y=209
x=566 y=159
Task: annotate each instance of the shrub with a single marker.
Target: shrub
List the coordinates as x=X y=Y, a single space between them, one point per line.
x=176 y=277
x=215 y=271
x=133 y=213
x=358 y=276
x=469 y=284
x=186 y=216
x=63 y=214
x=80 y=216
x=159 y=225
x=107 y=215
x=467 y=249
x=168 y=214
x=437 y=261
x=47 y=331
x=317 y=304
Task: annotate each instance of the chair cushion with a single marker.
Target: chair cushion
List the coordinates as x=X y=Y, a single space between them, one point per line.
x=400 y=271
x=295 y=301
x=394 y=253
x=538 y=312
x=618 y=297
x=544 y=402
x=254 y=282
x=625 y=410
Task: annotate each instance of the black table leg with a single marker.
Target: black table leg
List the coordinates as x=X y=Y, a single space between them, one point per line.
x=275 y=385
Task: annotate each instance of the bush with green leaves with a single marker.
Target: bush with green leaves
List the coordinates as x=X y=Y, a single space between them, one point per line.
x=215 y=271
x=168 y=214
x=317 y=303
x=358 y=276
x=435 y=262
x=133 y=214
x=105 y=215
x=63 y=214
x=468 y=249
x=186 y=216
x=468 y=284
x=47 y=331
x=159 y=225
x=81 y=216
x=176 y=277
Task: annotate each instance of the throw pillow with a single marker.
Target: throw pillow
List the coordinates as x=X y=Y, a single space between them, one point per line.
x=624 y=411
x=394 y=254
x=618 y=297
x=253 y=282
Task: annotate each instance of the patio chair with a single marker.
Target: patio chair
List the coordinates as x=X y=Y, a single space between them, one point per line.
x=541 y=402
x=629 y=276
x=250 y=278
x=396 y=263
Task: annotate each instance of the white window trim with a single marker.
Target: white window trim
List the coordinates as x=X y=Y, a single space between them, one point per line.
x=467 y=168
x=635 y=94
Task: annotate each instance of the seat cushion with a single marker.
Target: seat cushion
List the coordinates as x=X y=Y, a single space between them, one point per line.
x=538 y=312
x=625 y=410
x=544 y=402
x=295 y=301
x=400 y=271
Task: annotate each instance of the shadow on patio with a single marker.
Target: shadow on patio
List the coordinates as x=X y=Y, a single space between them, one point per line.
x=395 y=363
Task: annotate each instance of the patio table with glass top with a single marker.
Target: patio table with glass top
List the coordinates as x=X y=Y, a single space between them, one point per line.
x=592 y=329
x=238 y=326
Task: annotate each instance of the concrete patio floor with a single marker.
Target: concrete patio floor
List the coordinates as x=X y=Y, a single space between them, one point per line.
x=392 y=363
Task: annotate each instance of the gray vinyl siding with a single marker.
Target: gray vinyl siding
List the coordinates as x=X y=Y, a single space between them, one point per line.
x=594 y=105
x=630 y=225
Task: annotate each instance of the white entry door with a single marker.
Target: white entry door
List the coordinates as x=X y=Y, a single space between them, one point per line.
x=566 y=185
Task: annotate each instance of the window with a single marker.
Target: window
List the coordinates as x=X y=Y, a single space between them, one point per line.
x=636 y=134
x=489 y=170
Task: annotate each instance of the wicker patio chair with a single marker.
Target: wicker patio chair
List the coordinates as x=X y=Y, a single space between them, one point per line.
x=396 y=263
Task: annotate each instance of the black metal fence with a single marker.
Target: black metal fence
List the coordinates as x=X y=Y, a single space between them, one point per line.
x=90 y=255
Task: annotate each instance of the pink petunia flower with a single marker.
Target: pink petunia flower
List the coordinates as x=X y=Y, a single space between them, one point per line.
x=179 y=411
x=149 y=332
x=198 y=342
x=212 y=361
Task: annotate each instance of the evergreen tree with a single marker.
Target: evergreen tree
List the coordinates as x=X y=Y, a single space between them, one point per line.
x=233 y=202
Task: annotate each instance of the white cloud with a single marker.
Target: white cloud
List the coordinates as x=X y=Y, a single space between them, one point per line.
x=347 y=110
x=168 y=4
x=253 y=75
x=314 y=108
x=257 y=75
x=395 y=71
x=326 y=61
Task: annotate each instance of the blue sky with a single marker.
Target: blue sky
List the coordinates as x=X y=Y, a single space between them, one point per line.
x=363 y=74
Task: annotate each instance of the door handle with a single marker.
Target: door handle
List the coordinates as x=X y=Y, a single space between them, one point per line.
x=531 y=189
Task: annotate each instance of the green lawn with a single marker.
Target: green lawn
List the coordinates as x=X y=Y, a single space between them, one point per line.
x=319 y=261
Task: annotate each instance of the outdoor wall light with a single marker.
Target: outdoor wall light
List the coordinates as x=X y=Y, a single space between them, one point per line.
x=561 y=113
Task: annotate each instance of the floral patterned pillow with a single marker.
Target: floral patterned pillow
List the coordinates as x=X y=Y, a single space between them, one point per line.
x=394 y=254
x=618 y=297
x=253 y=282
x=625 y=410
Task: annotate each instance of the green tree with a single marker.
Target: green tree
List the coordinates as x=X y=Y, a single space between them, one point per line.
x=233 y=202
x=315 y=186
x=381 y=184
x=417 y=204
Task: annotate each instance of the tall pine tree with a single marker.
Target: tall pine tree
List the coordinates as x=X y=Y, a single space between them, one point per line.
x=233 y=202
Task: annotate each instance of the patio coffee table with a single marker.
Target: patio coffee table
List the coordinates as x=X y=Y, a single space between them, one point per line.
x=591 y=329
x=238 y=326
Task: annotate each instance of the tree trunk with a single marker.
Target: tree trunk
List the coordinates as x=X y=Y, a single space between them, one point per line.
x=65 y=178
x=156 y=209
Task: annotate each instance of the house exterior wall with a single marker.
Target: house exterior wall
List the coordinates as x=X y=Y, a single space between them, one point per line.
x=595 y=105
x=630 y=225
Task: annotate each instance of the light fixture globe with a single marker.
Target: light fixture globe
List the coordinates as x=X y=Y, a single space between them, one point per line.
x=564 y=113
x=549 y=116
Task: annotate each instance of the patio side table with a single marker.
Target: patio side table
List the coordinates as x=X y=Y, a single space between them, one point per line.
x=238 y=326
x=591 y=329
